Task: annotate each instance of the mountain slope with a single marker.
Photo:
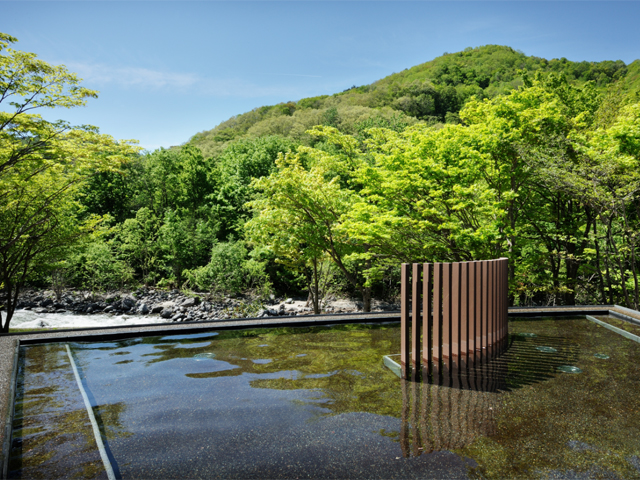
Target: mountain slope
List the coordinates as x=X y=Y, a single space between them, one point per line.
x=432 y=92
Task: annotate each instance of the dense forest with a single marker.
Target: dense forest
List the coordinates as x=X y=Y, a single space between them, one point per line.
x=473 y=155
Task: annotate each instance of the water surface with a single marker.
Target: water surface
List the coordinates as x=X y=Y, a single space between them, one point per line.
x=318 y=403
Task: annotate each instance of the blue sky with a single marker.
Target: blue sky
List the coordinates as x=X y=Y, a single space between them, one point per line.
x=167 y=70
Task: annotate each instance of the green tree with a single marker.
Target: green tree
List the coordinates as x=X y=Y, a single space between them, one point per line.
x=138 y=244
x=184 y=242
x=42 y=166
x=425 y=198
x=236 y=168
x=299 y=209
x=230 y=270
x=176 y=178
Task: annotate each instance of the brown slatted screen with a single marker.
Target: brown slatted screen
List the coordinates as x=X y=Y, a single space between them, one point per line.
x=455 y=312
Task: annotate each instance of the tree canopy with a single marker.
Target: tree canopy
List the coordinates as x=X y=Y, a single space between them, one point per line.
x=42 y=165
x=474 y=155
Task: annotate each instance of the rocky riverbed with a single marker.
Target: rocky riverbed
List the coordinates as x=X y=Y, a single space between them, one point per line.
x=167 y=306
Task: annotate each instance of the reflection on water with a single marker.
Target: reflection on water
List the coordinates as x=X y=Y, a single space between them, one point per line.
x=52 y=435
x=438 y=418
x=452 y=408
x=281 y=403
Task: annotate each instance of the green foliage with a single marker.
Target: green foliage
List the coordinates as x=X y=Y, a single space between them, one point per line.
x=111 y=192
x=426 y=198
x=172 y=179
x=230 y=270
x=474 y=155
x=43 y=165
x=433 y=92
x=95 y=266
x=184 y=242
x=300 y=209
x=546 y=175
x=138 y=244
x=236 y=168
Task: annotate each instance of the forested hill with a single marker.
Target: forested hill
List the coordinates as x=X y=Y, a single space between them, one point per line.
x=433 y=92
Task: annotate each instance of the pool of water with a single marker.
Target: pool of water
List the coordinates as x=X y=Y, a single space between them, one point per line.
x=319 y=403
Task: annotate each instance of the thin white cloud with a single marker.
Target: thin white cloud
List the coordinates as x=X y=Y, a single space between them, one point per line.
x=292 y=75
x=100 y=75
x=132 y=76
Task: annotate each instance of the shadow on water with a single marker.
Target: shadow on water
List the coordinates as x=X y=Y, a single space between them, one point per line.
x=451 y=409
x=527 y=359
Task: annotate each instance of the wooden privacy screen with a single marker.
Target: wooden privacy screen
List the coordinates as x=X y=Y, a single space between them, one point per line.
x=458 y=309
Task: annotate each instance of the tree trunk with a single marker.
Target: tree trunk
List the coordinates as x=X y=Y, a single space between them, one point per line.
x=11 y=300
x=632 y=247
x=366 y=299
x=608 y=273
x=316 y=300
x=598 y=266
x=623 y=274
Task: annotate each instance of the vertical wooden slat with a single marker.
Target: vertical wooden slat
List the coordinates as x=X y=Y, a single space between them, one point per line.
x=478 y=281
x=499 y=329
x=437 y=316
x=501 y=264
x=492 y=305
x=485 y=312
x=498 y=300
x=446 y=315
x=404 y=318
x=492 y=298
x=427 y=317
x=459 y=311
x=505 y=299
x=455 y=314
x=471 y=312
x=416 y=324
x=464 y=314
x=499 y=303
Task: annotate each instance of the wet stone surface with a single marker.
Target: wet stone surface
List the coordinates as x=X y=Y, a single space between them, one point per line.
x=318 y=403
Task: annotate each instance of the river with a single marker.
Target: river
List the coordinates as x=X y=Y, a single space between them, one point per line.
x=31 y=319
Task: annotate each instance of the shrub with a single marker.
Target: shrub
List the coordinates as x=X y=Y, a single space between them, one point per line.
x=230 y=270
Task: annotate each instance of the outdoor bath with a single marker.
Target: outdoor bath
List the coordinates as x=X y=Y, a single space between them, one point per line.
x=279 y=403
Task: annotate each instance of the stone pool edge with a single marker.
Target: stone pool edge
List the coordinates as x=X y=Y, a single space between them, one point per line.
x=9 y=344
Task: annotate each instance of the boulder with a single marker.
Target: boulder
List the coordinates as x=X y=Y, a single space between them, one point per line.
x=128 y=301
x=144 y=309
x=112 y=297
x=190 y=302
x=94 y=307
x=157 y=308
x=166 y=312
x=46 y=302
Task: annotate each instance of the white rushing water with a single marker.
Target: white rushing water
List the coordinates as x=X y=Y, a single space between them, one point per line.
x=31 y=319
